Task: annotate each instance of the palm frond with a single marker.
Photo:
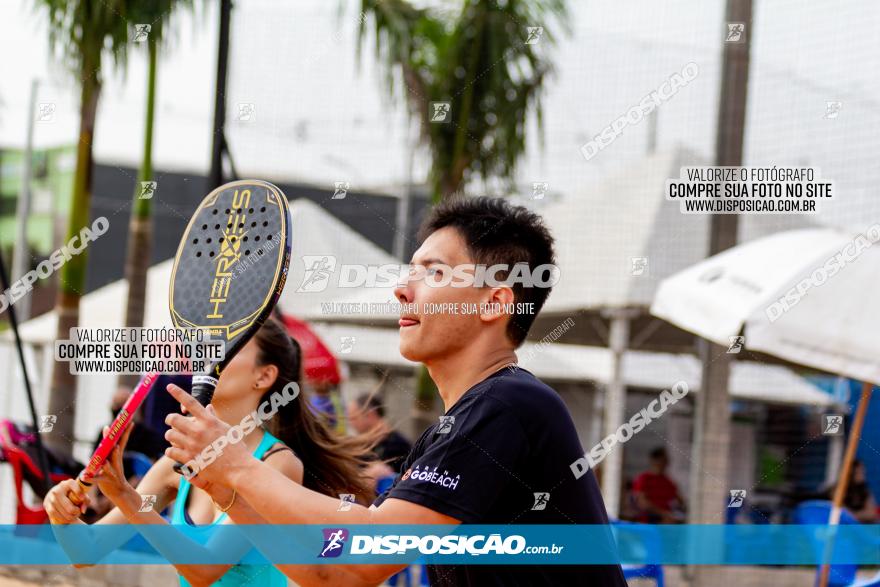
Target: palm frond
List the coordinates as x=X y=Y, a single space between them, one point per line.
x=482 y=62
x=83 y=32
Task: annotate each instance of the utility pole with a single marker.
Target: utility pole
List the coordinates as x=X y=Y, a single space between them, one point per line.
x=709 y=485
x=20 y=260
x=218 y=141
x=404 y=203
x=652 y=131
x=615 y=405
x=13 y=322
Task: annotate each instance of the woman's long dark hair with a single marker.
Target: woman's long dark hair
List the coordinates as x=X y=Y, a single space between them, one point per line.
x=332 y=463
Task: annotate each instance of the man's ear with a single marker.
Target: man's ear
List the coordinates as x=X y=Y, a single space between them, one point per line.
x=266 y=376
x=497 y=304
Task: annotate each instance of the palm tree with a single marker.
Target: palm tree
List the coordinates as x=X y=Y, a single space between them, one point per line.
x=82 y=32
x=157 y=13
x=85 y=33
x=489 y=62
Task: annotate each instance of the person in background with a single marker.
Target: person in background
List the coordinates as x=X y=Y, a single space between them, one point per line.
x=629 y=510
x=859 y=500
x=157 y=406
x=143 y=439
x=656 y=495
x=324 y=401
x=366 y=414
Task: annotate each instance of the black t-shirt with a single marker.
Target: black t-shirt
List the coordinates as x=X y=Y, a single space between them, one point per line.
x=394 y=449
x=510 y=437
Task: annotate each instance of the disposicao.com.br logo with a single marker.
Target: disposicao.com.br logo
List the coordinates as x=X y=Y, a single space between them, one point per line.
x=431 y=544
x=319 y=271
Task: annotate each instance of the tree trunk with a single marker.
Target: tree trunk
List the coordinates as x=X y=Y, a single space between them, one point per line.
x=72 y=282
x=137 y=261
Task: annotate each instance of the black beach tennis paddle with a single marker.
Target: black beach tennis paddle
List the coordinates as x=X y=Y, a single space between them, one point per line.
x=230 y=269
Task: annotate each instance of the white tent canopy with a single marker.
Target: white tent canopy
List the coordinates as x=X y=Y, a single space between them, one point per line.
x=713 y=298
x=321 y=240
x=105 y=307
x=750 y=381
x=316 y=234
x=600 y=230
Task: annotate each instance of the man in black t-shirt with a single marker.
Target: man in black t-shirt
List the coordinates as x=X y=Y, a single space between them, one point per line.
x=502 y=451
x=508 y=453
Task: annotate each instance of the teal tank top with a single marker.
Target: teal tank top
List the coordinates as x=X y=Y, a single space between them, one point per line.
x=238 y=575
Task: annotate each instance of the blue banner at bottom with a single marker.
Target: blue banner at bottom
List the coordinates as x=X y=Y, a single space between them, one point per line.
x=466 y=544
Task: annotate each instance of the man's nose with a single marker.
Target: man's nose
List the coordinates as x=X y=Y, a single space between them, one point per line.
x=403 y=292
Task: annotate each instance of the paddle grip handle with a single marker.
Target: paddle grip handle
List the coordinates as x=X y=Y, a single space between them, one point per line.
x=203 y=387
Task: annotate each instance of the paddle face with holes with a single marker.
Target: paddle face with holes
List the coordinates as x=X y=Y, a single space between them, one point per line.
x=231 y=266
x=228 y=274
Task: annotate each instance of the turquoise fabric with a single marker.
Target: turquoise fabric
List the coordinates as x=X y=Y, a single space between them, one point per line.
x=251 y=575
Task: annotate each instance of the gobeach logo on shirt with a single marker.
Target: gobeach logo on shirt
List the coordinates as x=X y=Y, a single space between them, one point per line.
x=433 y=476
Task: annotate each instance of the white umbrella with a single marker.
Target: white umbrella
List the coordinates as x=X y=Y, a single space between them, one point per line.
x=804 y=295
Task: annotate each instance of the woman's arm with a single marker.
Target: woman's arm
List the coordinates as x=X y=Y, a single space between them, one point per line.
x=272 y=495
x=63 y=511
x=240 y=513
x=243 y=514
x=155 y=529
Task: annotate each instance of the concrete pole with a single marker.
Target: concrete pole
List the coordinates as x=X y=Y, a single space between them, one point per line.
x=836 y=447
x=20 y=261
x=404 y=203
x=615 y=408
x=652 y=131
x=709 y=483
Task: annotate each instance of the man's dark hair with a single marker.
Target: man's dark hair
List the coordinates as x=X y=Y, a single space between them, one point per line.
x=497 y=232
x=659 y=453
x=369 y=402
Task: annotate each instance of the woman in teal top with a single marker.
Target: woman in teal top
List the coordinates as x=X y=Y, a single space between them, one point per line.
x=297 y=443
x=239 y=574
